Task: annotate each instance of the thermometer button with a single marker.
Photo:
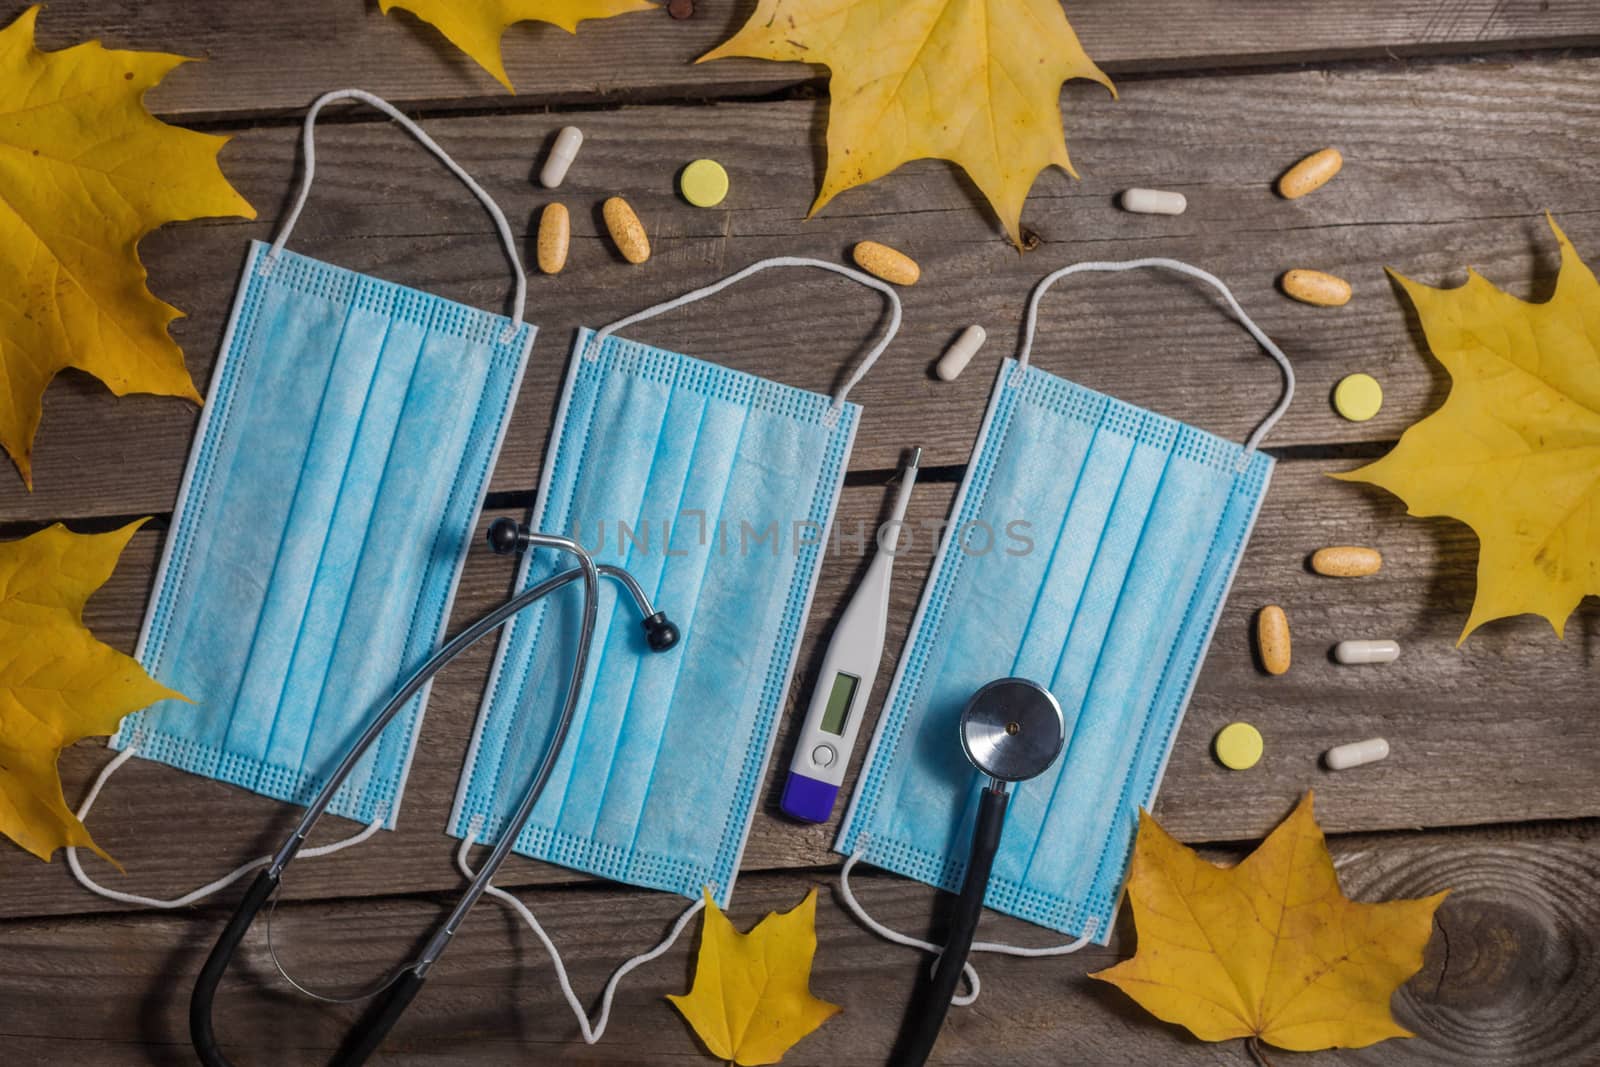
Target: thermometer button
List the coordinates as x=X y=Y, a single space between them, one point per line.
x=823 y=755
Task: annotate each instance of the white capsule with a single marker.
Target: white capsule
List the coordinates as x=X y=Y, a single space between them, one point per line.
x=562 y=153
x=960 y=353
x=1154 y=202
x=1366 y=651
x=1343 y=757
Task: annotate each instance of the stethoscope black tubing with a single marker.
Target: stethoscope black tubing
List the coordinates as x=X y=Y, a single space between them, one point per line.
x=927 y=1016
x=392 y=1001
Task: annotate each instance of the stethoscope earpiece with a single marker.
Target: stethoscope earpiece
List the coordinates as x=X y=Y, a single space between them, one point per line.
x=506 y=536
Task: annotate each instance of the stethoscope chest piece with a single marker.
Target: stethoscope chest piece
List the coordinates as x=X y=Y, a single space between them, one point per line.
x=1012 y=730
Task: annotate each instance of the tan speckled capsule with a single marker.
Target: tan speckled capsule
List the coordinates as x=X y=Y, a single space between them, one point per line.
x=1346 y=561
x=555 y=235
x=1315 y=287
x=887 y=263
x=1310 y=174
x=626 y=230
x=1272 y=639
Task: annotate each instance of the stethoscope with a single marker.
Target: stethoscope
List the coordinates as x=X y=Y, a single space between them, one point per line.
x=1011 y=730
x=396 y=992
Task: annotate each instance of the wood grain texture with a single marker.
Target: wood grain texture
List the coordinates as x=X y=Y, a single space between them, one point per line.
x=1510 y=975
x=273 y=58
x=1468 y=744
x=1448 y=166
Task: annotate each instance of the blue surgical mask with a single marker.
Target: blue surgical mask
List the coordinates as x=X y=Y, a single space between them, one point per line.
x=1137 y=523
x=330 y=498
x=715 y=489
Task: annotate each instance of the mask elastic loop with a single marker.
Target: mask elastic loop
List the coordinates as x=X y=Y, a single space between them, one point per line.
x=592 y=1030
x=598 y=338
x=1212 y=280
x=974 y=987
x=206 y=890
x=309 y=150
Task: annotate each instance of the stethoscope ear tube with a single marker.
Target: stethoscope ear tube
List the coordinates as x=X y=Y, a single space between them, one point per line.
x=925 y=1025
x=379 y=1020
x=205 y=987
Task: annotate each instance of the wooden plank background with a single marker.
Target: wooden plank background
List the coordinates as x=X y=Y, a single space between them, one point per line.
x=1462 y=123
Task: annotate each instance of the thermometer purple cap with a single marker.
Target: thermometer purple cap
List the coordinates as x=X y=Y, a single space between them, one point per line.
x=808 y=799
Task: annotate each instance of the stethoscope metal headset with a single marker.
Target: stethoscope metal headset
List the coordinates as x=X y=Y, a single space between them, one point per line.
x=395 y=993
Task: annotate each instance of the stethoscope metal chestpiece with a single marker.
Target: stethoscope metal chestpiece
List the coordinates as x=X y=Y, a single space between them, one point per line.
x=1012 y=730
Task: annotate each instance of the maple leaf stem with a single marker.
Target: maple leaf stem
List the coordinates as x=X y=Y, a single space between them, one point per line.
x=1257 y=1053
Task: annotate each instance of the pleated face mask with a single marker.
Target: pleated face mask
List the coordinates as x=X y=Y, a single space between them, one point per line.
x=715 y=488
x=329 y=501
x=1137 y=523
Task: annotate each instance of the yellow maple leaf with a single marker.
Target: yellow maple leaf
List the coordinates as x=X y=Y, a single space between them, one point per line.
x=476 y=26
x=85 y=173
x=1269 y=949
x=751 y=999
x=1515 y=451
x=57 y=682
x=977 y=82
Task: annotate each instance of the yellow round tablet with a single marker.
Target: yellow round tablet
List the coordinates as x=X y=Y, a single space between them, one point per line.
x=1239 y=746
x=703 y=183
x=1358 y=397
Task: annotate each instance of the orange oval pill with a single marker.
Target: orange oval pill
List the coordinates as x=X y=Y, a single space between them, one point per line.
x=1310 y=174
x=555 y=237
x=1272 y=639
x=1315 y=287
x=887 y=263
x=627 y=232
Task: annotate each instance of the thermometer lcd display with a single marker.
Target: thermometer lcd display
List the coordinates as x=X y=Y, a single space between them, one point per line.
x=838 y=710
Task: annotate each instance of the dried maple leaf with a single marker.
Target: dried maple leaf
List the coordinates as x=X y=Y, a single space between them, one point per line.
x=977 y=83
x=476 y=26
x=85 y=172
x=1515 y=451
x=57 y=682
x=751 y=999
x=1269 y=949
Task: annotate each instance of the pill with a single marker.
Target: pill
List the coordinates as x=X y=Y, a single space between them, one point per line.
x=626 y=230
x=1154 y=202
x=1310 y=174
x=1272 y=639
x=1343 y=757
x=1346 y=561
x=703 y=183
x=960 y=353
x=886 y=263
x=562 y=153
x=1238 y=746
x=1366 y=651
x=555 y=235
x=1315 y=287
x=1358 y=397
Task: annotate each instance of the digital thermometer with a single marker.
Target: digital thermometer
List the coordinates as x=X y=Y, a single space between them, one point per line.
x=833 y=719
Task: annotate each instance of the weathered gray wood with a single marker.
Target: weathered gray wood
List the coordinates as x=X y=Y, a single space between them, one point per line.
x=1510 y=975
x=1470 y=742
x=275 y=57
x=1448 y=166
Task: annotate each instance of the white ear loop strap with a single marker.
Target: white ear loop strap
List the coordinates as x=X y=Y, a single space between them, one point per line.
x=968 y=971
x=206 y=890
x=592 y=1032
x=599 y=337
x=1212 y=280
x=309 y=150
